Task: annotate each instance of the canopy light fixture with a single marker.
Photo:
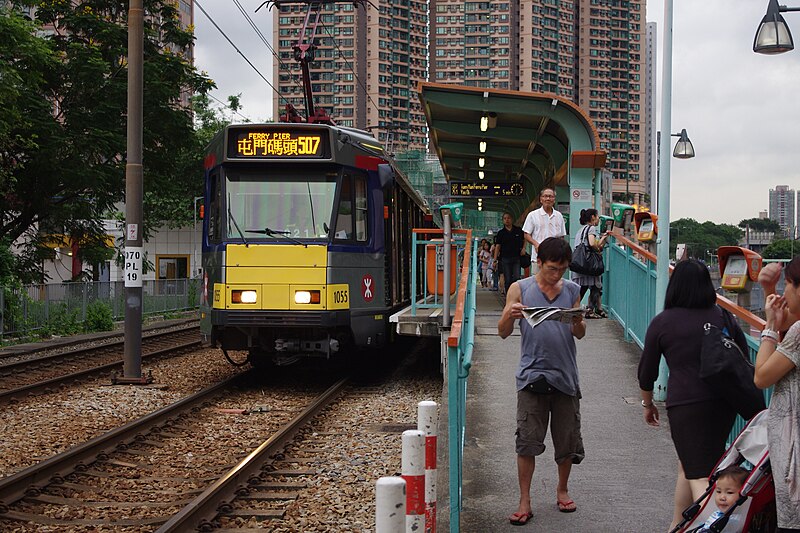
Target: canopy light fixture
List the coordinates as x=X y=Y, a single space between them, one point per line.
x=481 y=162
x=482 y=146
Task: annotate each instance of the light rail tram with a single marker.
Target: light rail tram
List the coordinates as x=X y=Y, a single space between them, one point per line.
x=306 y=242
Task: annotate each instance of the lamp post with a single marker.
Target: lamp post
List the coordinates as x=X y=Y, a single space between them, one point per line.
x=662 y=250
x=194 y=235
x=773 y=35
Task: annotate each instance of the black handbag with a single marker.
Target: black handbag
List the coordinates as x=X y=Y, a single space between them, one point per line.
x=585 y=259
x=728 y=371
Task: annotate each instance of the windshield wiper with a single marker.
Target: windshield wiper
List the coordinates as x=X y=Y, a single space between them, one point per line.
x=233 y=219
x=273 y=233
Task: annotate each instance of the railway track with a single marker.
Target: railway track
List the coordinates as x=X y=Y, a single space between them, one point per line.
x=140 y=475
x=54 y=370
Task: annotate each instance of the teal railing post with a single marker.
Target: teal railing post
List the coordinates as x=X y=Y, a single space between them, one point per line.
x=459 y=361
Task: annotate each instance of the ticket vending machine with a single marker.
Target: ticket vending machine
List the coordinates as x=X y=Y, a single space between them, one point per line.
x=646 y=225
x=606 y=224
x=738 y=270
x=623 y=217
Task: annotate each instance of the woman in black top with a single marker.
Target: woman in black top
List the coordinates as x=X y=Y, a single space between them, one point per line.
x=699 y=420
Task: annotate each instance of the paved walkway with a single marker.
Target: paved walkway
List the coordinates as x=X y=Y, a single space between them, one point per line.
x=626 y=482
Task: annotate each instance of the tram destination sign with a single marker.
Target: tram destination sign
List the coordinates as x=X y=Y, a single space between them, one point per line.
x=481 y=189
x=277 y=143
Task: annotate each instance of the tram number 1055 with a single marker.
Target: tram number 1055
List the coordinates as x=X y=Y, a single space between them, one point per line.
x=340 y=297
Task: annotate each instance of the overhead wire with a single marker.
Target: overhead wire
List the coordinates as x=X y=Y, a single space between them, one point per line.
x=255 y=27
x=227 y=106
x=341 y=54
x=240 y=52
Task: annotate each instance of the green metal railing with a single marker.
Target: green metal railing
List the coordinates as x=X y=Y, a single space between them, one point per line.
x=459 y=360
x=629 y=298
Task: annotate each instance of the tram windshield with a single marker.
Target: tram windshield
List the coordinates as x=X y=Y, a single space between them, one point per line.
x=279 y=203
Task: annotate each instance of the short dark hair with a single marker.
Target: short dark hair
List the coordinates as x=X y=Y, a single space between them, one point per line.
x=554 y=249
x=690 y=286
x=792 y=271
x=734 y=472
x=587 y=214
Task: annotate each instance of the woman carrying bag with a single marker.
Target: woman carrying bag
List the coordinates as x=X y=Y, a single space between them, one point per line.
x=594 y=284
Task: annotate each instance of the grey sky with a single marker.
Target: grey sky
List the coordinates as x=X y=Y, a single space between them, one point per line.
x=739 y=108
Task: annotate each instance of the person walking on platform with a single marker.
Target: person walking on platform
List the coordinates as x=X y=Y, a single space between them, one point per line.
x=543 y=223
x=547 y=378
x=509 y=241
x=699 y=419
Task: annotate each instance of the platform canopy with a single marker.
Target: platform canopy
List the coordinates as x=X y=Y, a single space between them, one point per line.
x=530 y=140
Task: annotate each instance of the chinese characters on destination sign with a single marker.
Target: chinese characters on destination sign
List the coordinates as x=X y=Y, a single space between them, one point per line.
x=278 y=144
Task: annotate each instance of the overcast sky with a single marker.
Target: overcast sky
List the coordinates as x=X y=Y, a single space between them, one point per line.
x=739 y=108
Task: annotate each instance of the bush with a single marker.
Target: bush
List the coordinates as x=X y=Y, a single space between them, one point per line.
x=62 y=322
x=98 y=317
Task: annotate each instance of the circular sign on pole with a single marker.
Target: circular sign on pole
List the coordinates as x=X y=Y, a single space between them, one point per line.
x=576 y=194
x=368 y=288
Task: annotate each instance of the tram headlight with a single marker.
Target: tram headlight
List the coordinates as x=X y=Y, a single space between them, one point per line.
x=243 y=297
x=306 y=297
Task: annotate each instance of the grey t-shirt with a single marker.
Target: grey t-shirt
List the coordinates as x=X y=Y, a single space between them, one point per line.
x=548 y=349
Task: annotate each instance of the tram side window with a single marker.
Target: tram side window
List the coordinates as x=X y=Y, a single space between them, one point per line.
x=344 y=219
x=361 y=209
x=214 y=207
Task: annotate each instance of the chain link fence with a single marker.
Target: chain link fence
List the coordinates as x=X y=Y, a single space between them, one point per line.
x=36 y=309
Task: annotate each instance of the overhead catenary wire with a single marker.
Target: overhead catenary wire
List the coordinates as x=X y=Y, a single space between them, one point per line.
x=361 y=83
x=240 y=52
x=253 y=25
x=227 y=106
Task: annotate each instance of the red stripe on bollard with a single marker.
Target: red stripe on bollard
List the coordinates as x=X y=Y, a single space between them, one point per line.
x=430 y=452
x=415 y=494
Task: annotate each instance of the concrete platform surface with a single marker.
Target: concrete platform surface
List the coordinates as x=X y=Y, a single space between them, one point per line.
x=626 y=482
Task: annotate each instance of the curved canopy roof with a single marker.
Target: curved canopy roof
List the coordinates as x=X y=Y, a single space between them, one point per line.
x=533 y=139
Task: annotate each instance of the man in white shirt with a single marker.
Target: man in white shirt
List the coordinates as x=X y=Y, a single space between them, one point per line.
x=543 y=223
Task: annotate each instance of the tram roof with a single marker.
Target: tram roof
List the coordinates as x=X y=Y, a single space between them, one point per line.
x=530 y=139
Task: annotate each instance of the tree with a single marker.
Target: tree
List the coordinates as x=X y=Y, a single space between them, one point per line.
x=781 y=249
x=64 y=161
x=761 y=224
x=700 y=237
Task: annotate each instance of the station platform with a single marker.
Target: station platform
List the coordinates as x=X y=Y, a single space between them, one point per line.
x=625 y=483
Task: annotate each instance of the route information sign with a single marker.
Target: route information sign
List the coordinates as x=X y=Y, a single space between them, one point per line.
x=486 y=189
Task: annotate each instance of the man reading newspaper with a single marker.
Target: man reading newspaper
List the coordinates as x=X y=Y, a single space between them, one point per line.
x=547 y=378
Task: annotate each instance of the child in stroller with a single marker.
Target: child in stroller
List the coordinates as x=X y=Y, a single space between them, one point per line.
x=751 y=509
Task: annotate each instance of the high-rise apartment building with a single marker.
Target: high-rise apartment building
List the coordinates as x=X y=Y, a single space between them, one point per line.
x=782 y=206
x=650 y=129
x=474 y=43
x=589 y=51
x=367 y=64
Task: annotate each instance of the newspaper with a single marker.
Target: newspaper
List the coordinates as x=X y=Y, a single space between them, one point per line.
x=537 y=315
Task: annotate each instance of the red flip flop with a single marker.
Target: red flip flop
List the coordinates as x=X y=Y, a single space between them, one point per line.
x=566 y=506
x=520 y=519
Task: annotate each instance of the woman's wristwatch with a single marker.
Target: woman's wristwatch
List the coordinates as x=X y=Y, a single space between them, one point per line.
x=647 y=405
x=771 y=334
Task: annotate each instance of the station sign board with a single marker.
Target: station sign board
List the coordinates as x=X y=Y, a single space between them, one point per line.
x=486 y=190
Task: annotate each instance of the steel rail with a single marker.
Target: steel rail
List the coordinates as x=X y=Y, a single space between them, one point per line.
x=54 y=469
x=201 y=512
x=42 y=385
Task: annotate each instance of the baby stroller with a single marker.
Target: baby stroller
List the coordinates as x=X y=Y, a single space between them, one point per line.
x=754 y=510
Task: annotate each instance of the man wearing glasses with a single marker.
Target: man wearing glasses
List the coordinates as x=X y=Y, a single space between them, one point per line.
x=543 y=223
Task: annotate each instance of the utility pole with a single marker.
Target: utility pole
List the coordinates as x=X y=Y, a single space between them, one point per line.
x=134 y=252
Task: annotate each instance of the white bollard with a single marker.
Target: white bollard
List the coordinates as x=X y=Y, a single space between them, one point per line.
x=427 y=422
x=413 y=471
x=390 y=505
